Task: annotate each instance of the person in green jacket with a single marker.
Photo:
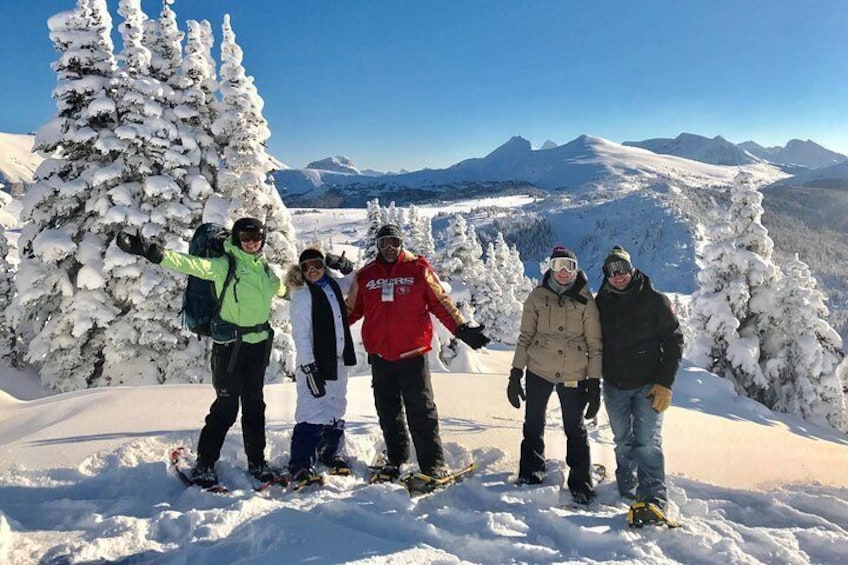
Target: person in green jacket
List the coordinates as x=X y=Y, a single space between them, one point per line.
x=241 y=352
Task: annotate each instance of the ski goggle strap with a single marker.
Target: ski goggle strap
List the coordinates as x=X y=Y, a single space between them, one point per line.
x=620 y=267
x=567 y=264
x=389 y=241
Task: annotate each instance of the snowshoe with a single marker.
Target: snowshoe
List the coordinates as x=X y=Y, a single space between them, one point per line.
x=648 y=514
x=194 y=474
x=265 y=476
x=419 y=484
x=533 y=479
x=304 y=479
x=383 y=474
x=338 y=467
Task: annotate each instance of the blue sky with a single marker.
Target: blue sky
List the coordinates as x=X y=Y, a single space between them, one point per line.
x=400 y=84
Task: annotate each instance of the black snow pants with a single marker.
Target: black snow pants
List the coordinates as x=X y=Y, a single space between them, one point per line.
x=573 y=404
x=405 y=385
x=244 y=384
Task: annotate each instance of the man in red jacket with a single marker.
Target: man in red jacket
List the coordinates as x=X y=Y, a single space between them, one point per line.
x=395 y=295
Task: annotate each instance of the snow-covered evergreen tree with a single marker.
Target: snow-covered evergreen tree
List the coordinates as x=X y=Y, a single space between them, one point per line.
x=426 y=244
x=197 y=110
x=164 y=40
x=244 y=187
x=8 y=337
x=807 y=352
x=374 y=219
x=732 y=309
x=461 y=257
x=495 y=293
x=62 y=309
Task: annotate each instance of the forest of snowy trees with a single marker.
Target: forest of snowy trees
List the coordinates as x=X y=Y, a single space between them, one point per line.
x=160 y=137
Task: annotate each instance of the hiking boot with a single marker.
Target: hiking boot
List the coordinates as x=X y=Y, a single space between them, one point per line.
x=337 y=466
x=384 y=474
x=531 y=479
x=263 y=472
x=203 y=475
x=582 y=498
x=438 y=472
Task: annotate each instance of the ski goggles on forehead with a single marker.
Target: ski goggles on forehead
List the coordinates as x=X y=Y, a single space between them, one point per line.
x=618 y=268
x=389 y=241
x=567 y=264
x=251 y=234
x=312 y=264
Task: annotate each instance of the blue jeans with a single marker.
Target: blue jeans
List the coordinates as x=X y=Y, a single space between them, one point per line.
x=637 y=432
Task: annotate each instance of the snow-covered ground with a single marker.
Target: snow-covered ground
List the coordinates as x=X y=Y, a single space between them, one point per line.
x=84 y=478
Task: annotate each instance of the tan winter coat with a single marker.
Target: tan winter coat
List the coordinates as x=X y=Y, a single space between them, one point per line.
x=560 y=337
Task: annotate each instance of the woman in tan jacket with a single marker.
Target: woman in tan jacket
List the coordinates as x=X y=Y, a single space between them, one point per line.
x=560 y=345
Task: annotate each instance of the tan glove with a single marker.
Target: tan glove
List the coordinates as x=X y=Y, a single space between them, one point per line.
x=662 y=397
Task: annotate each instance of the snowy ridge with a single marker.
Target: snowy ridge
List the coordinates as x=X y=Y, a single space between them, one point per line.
x=17 y=162
x=72 y=493
x=717 y=150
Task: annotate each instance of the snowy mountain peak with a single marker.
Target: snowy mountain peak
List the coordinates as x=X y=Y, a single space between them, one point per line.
x=337 y=164
x=517 y=145
x=717 y=151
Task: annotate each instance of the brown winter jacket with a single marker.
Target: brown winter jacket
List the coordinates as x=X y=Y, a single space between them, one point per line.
x=560 y=337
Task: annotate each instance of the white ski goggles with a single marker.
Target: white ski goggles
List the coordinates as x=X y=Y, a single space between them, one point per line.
x=567 y=264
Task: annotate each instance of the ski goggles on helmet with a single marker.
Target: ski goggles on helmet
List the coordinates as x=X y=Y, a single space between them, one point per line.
x=389 y=241
x=251 y=234
x=312 y=264
x=620 y=267
x=567 y=264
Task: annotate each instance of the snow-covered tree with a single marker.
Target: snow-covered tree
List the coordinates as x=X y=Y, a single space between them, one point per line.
x=374 y=219
x=732 y=309
x=163 y=39
x=498 y=294
x=806 y=352
x=244 y=186
x=62 y=309
x=197 y=110
x=8 y=337
x=426 y=245
x=461 y=257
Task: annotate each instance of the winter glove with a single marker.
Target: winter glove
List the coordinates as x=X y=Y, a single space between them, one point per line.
x=514 y=390
x=662 y=397
x=339 y=262
x=314 y=381
x=474 y=337
x=138 y=245
x=592 y=388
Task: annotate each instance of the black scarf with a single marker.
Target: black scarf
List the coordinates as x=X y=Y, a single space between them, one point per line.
x=324 y=331
x=573 y=291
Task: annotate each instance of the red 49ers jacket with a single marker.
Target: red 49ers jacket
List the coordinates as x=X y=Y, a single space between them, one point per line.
x=396 y=300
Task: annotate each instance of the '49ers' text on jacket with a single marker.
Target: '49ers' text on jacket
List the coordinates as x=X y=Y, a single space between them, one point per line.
x=396 y=300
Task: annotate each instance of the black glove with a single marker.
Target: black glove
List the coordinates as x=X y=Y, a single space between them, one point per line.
x=474 y=337
x=314 y=381
x=138 y=245
x=339 y=263
x=592 y=388
x=514 y=390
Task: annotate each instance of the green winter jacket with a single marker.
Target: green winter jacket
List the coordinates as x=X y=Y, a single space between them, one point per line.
x=247 y=301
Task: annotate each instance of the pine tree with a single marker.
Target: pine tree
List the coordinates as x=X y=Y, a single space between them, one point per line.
x=806 y=352
x=426 y=245
x=62 y=309
x=8 y=337
x=461 y=257
x=413 y=240
x=732 y=309
x=244 y=186
x=374 y=219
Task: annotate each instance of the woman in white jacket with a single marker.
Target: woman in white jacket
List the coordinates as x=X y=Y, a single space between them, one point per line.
x=324 y=352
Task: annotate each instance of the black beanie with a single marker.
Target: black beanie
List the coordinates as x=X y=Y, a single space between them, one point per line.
x=615 y=254
x=390 y=230
x=310 y=253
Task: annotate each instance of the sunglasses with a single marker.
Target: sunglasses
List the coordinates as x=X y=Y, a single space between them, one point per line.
x=389 y=241
x=567 y=264
x=312 y=265
x=253 y=234
x=618 y=268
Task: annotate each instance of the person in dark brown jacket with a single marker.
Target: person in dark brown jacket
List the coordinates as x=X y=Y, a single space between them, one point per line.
x=560 y=345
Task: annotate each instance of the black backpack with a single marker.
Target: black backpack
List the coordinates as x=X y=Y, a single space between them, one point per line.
x=200 y=303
